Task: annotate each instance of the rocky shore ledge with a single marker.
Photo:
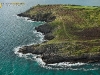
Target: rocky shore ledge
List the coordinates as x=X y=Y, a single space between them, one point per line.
x=85 y=49
x=49 y=54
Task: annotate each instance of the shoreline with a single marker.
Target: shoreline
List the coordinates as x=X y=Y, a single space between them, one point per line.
x=49 y=52
x=53 y=66
x=38 y=59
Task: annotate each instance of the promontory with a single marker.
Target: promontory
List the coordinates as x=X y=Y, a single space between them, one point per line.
x=72 y=33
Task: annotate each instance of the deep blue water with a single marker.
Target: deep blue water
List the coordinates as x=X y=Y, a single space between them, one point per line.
x=16 y=32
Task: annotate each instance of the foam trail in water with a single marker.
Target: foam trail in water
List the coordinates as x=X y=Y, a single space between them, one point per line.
x=66 y=64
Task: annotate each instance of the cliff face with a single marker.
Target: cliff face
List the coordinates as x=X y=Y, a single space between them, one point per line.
x=50 y=54
x=72 y=33
x=46 y=29
x=47 y=17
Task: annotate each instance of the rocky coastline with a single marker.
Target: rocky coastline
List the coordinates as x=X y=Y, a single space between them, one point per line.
x=50 y=53
x=46 y=29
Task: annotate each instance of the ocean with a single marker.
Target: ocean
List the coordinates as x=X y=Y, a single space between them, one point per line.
x=16 y=32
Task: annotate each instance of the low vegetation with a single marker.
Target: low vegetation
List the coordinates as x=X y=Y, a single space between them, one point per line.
x=75 y=27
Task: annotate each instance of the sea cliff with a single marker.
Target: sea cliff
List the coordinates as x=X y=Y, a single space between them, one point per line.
x=72 y=33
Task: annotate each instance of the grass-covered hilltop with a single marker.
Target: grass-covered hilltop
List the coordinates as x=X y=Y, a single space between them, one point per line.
x=72 y=31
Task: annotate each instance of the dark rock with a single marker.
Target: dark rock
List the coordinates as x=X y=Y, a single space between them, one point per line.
x=48 y=37
x=52 y=58
x=46 y=28
x=23 y=15
x=26 y=49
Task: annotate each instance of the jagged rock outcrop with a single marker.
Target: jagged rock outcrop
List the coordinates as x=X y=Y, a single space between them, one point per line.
x=49 y=54
x=47 y=17
x=46 y=29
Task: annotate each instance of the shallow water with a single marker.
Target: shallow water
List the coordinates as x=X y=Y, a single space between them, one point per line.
x=15 y=32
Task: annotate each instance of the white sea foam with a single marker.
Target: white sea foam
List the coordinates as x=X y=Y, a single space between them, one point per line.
x=28 y=19
x=40 y=61
x=39 y=34
x=66 y=64
x=24 y=18
x=29 y=56
x=18 y=17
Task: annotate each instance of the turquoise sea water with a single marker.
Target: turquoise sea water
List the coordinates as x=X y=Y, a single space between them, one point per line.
x=15 y=32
